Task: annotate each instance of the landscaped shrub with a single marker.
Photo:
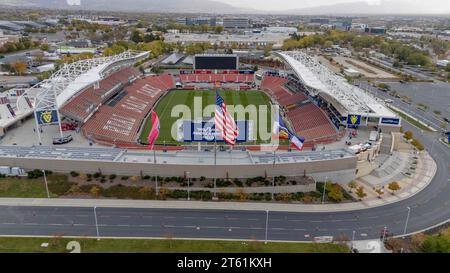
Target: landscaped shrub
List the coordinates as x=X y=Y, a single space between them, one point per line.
x=74 y=174
x=35 y=174
x=238 y=183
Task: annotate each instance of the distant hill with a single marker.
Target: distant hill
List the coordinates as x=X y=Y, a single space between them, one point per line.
x=173 y=6
x=211 y=7
x=383 y=7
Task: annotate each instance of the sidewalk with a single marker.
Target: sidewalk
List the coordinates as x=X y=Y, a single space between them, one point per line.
x=426 y=178
x=410 y=185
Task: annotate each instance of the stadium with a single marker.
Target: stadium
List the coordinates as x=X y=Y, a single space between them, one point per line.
x=100 y=108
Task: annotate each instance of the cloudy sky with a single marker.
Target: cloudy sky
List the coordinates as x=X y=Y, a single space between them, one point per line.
x=430 y=5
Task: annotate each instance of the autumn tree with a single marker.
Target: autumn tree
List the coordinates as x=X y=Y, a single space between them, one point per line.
x=380 y=192
x=94 y=191
x=352 y=185
x=335 y=194
x=19 y=67
x=394 y=186
x=360 y=193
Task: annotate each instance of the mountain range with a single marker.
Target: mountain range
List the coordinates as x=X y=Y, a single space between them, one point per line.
x=215 y=7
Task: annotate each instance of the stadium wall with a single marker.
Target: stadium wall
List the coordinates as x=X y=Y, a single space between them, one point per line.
x=338 y=170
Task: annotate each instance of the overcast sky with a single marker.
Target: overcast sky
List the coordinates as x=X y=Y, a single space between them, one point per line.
x=296 y=4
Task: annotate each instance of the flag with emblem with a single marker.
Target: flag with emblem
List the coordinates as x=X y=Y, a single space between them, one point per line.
x=224 y=122
x=280 y=131
x=154 y=132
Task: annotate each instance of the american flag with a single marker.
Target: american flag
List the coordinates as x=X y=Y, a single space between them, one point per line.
x=225 y=122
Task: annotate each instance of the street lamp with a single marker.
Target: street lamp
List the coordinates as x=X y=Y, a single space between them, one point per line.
x=46 y=184
x=273 y=186
x=353 y=238
x=324 y=189
x=96 y=223
x=189 y=182
x=407 y=220
x=267 y=225
x=384 y=234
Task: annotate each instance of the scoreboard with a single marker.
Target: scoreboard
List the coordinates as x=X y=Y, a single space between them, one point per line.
x=216 y=62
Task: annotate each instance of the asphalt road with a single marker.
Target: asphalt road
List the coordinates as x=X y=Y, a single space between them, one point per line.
x=428 y=117
x=428 y=208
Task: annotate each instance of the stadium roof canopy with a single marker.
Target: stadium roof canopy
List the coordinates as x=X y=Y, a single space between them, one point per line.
x=320 y=80
x=74 y=77
x=173 y=58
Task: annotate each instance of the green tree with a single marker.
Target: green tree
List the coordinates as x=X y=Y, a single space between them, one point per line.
x=45 y=47
x=218 y=29
x=436 y=244
x=136 y=36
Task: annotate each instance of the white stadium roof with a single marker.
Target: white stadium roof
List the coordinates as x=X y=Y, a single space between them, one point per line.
x=321 y=80
x=74 y=77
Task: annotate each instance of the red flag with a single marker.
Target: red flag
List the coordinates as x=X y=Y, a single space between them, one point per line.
x=154 y=132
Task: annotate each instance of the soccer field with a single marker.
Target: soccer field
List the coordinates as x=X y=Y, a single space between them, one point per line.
x=183 y=97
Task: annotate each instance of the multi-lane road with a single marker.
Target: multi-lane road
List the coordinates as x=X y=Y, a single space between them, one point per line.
x=428 y=208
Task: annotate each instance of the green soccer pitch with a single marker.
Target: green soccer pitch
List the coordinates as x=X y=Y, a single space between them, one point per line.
x=186 y=97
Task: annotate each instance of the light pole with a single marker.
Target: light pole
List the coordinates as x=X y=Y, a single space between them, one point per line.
x=324 y=189
x=384 y=233
x=46 y=184
x=273 y=186
x=189 y=182
x=96 y=223
x=156 y=185
x=353 y=238
x=267 y=225
x=407 y=220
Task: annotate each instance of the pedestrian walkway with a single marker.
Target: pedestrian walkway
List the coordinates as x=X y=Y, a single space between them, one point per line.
x=418 y=182
x=412 y=176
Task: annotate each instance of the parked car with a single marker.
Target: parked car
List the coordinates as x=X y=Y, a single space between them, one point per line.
x=62 y=140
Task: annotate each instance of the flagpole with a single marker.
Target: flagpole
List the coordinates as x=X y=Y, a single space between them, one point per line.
x=274 y=151
x=215 y=165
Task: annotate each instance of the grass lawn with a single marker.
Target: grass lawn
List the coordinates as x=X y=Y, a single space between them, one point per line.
x=22 y=188
x=183 y=97
x=58 y=245
x=410 y=120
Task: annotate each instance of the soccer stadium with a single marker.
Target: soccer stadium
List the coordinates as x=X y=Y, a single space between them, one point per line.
x=101 y=109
